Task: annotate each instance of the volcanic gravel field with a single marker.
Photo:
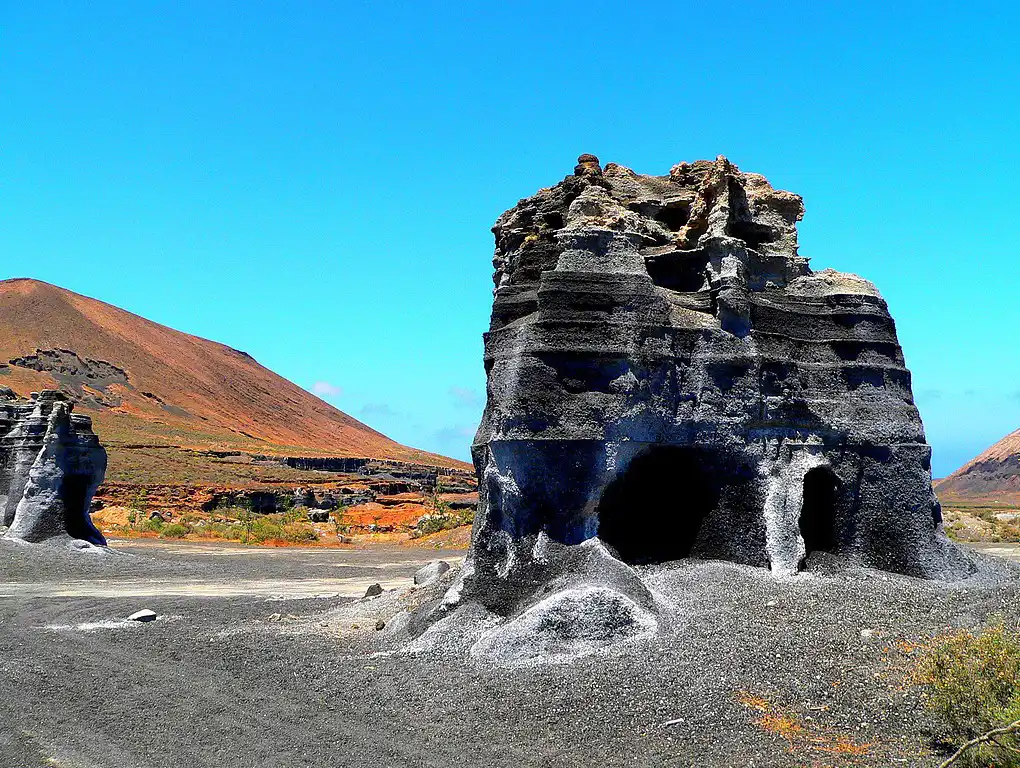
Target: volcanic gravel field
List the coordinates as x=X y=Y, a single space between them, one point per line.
x=247 y=665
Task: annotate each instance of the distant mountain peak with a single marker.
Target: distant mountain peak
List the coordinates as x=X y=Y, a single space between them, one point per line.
x=138 y=378
x=992 y=476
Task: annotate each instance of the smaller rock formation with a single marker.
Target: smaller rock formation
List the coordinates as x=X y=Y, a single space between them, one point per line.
x=430 y=572
x=51 y=463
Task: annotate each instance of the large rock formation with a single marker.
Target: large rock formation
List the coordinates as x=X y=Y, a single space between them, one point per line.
x=666 y=373
x=50 y=466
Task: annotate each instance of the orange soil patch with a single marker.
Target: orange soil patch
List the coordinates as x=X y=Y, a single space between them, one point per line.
x=397 y=517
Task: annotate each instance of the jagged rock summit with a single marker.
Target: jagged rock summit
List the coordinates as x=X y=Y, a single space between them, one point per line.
x=51 y=463
x=667 y=373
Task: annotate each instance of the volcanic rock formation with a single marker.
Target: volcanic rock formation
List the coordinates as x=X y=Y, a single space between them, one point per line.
x=51 y=463
x=666 y=373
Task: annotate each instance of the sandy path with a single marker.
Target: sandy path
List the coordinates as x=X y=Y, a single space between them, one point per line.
x=1010 y=551
x=268 y=588
x=166 y=569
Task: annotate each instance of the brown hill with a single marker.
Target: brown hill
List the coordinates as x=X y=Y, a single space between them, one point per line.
x=994 y=476
x=158 y=395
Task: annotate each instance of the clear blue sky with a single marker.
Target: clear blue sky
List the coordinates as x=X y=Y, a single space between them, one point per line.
x=314 y=182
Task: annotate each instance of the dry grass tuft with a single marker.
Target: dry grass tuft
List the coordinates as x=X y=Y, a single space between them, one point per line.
x=801 y=736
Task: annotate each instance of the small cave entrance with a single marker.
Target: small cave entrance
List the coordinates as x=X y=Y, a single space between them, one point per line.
x=653 y=511
x=674 y=215
x=73 y=493
x=818 y=512
x=679 y=271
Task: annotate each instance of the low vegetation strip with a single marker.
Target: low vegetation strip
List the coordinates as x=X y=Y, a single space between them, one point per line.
x=240 y=525
x=292 y=525
x=971 y=522
x=972 y=680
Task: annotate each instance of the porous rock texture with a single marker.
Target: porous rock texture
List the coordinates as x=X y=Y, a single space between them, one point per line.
x=51 y=463
x=666 y=373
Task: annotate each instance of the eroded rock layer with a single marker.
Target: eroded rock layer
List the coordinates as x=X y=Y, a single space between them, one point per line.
x=667 y=373
x=51 y=463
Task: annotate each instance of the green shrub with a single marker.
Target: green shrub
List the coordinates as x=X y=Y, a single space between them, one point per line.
x=155 y=525
x=442 y=519
x=973 y=685
x=299 y=532
x=174 y=531
x=228 y=531
x=278 y=527
x=339 y=520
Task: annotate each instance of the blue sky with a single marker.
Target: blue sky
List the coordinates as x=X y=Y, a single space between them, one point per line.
x=314 y=182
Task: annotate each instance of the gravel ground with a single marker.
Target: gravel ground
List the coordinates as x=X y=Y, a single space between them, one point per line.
x=748 y=671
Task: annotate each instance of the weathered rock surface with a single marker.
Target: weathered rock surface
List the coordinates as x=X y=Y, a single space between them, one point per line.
x=666 y=373
x=51 y=463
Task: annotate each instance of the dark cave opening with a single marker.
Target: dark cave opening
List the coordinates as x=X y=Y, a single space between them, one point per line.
x=753 y=234
x=653 y=512
x=73 y=493
x=674 y=216
x=678 y=271
x=818 y=512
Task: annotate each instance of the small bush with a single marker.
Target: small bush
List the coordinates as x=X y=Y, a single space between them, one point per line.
x=174 y=531
x=155 y=525
x=973 y=683
x=300 y=531
x=277 y=527
x=442 y=519
x=228 y=531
